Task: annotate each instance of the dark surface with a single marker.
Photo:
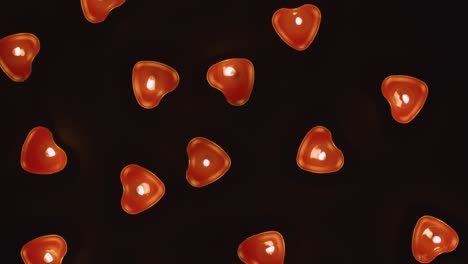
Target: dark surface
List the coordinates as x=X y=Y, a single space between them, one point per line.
x=80 y=88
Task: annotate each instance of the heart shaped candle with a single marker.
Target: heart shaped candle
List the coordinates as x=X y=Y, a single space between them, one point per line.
x=318 y=153
x=152 y=81
x=406 y=96
x=49 y=249
x=40 y=154
x=266 y=247
x=432 y=237
x=17 y=53
x=141 y=189
x=207 y=162
x=96 y=11
x=297 y=27
x=234 y=78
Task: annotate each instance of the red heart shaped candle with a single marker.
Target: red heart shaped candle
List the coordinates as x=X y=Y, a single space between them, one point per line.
x=432 y=237
x=40 y=154
x=17 y=53
x=49 y=249
x=318 y=153
x=207 y=162
x=141 y=189
x=406 y=96
x=152 y=81
x=266 y=247
x=297 y=27
x=234 y=78
x=96 y=11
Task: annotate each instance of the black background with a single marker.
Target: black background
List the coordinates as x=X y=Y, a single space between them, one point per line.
x=80 y=88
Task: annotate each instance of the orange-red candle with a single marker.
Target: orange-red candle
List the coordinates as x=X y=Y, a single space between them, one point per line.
x=267 y=247
x=234 y=78
x=406 y=96
x=141 y=189
x=151 y=81
x=17 y=53
x=48 y=249
x=96 y=11
x=207 y=162
x=318 y=153
x=432 y=237
x=40 y=154
x=297 y=27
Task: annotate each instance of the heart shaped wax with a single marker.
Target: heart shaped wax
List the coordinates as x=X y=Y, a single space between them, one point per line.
x=297 y=27
x=432 y=237
x=234 y=78
x=406 y=96
x=207 y=162
x=96 y=11
x=49 y=249
x=152 y=81
x=17 y=53
x=141 y=189
x=40 y=154
x=267 y=247
x=317 y=152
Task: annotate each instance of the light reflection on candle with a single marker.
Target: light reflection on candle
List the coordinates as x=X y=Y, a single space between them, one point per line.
x=400 y=99
x=298 y=21
x=229 y=71
x=206 y=162
x=317 y=153
x=143 y=188
x=405 y=98
x=271 y=247
x=50 y=152
x=151 y=83
x=18 y=52
x=436 y=239
x=48 y=258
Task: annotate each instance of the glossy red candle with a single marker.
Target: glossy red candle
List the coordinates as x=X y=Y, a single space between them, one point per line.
x=234 y=78
x=49 y=249
x=432 y=237
x=207 y=162
x=318 y=153
x=96 y=11
x=406 y=96
x=40 y=154
x=267 y=247
x=297 y=27
x=17 y=53
x=141 y=189
x=152 y=81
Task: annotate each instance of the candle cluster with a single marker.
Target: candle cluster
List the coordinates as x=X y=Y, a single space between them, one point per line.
x=207 y=161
